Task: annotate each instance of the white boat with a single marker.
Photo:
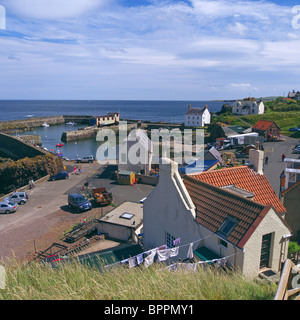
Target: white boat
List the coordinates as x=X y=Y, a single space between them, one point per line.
x=70 y=123
x=45 y=124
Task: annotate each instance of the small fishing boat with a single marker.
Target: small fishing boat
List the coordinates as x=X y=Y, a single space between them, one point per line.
x=70 y=123
x=59 y=144
x=45 y=124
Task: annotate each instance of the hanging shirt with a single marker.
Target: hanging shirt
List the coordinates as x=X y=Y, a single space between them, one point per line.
x=176 y=241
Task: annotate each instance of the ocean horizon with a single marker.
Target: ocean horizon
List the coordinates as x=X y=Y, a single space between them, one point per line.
x=147 y=110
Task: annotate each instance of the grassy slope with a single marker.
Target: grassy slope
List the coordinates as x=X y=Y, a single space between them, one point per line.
x=75 y=281
x=284 y=114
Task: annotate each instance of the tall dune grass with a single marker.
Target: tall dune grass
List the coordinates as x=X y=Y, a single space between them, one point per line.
x=74 y=281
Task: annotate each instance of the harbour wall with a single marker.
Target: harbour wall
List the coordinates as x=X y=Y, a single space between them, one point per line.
x=13 y=126
x=16 y=148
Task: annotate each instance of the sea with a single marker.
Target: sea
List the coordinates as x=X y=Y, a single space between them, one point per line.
x=165 y=111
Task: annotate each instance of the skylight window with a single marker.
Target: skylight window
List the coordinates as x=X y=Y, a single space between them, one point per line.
x=127 y=216
x=228 y=226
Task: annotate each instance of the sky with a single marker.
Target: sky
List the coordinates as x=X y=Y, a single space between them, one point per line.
x=148 y=49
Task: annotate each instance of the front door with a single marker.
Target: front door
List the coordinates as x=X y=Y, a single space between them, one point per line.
x=265 y=251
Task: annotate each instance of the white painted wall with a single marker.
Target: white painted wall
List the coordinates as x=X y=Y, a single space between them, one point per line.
x=270 y=224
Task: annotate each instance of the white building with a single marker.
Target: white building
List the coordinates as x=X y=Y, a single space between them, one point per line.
x=220 y=221
x=197 y=117
x=110 y=118
x=136 y=153
x=123 y=223
x=247 y=107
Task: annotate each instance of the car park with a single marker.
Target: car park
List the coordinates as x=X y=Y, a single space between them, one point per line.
x=86 y=159
x=59 y=176
x=17 y=198
x=78 y=202
x=7 y=207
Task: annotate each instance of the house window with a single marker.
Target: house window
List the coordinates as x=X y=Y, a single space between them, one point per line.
x=228 y=226
x=223 y=243
x=169 y=240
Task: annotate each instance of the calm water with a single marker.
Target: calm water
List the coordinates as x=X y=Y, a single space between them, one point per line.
x=167 y=111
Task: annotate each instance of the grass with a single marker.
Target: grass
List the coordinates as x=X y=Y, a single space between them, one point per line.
x=79 y=282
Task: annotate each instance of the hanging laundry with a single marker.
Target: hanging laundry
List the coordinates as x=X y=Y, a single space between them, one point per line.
x=222 y=262
x=190 y=253
x=163 y=255
x=176 y=241
x=131 y=262
x=162 y=247
x=149 y=260
x=174 y=252
x=139 y=258
x=187 y=266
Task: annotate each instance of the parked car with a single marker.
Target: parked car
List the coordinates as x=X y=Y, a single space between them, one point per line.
x=17 y=198
x=59 y=176
x=78 y=202
x=87 y=159
x=294 y=129
x=297 y=151
x=7 y=207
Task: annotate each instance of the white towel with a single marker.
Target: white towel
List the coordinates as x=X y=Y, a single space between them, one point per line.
x=174 y=252
x=190 y=253
x=149 y=260
x=163 y=254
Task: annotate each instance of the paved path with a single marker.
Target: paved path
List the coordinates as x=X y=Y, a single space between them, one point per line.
x=274 y=151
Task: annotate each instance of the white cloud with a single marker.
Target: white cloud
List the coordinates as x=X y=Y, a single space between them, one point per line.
x=228 y=45
x=52 y=9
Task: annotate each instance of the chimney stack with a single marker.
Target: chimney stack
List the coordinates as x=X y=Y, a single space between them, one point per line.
x=256 y=158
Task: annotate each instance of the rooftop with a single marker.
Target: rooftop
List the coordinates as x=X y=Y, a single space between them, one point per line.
x=195 y=111
x=129 y=214
x=263 y=124
x=245 y=178
x=232 y=217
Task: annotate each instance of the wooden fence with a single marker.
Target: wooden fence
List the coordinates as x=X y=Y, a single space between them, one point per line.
x=289 y=283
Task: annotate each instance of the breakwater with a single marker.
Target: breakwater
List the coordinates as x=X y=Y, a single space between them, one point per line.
x=15 y=126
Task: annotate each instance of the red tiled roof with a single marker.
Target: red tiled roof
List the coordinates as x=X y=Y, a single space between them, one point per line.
x=214 y=205
x=245 y=178
x=262 y=125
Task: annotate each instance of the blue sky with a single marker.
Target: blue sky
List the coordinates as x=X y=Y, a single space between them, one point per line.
x=148 y=49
